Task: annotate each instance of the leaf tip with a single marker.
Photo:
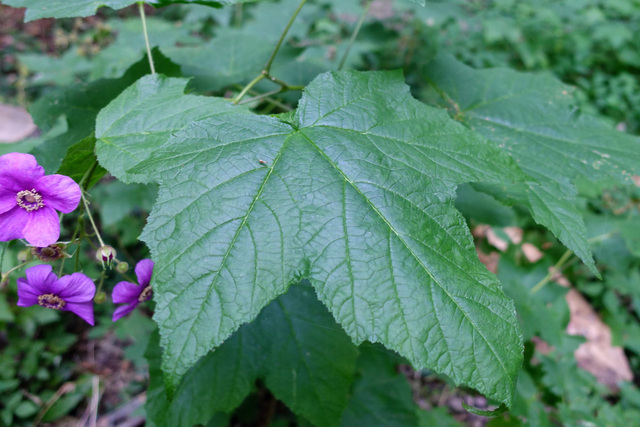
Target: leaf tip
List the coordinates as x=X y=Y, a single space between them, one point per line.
x=486 y=413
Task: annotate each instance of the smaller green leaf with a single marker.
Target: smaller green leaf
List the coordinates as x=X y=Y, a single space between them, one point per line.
x=533 y=118
x=305 y=358
x=79 y=161
x=381 y=396
x=59 y=71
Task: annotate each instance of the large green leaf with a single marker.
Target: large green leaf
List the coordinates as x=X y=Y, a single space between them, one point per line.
x=533 y=117
x=305 y=358
x=357 y=195
x=140 y=121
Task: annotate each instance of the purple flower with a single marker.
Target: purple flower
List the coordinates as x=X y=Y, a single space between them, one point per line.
x=29 y=200
x=69 y=293
x=132 y=294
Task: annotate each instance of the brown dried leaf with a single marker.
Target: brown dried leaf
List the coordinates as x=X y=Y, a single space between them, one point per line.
x=480 y=231
x=489 y=260
x=606 y=362
x=514 y=233
x=496 y=241
x=531 y=252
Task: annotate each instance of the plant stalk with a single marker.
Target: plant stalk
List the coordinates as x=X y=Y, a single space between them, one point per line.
x=354 y=34
x=267 y=67
x=146 y=36
x=93 y=224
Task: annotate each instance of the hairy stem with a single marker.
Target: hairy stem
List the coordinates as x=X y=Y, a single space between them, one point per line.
x=93 y=224
x=146 y=36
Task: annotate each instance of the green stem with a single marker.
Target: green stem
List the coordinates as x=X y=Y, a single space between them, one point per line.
x=562 y=263
x=248 y=87
x=355 y=34
x=267 y=96
x=86 y=178
x=4 y=250
x=264 y=95
x=238 y=15
x=93 y=224
x=552 y=272
x=267 y=67
x=126 y=277
x=146 y=36
x=258 y=95
x=284 y=84
x=17 y=267
x=73 y=238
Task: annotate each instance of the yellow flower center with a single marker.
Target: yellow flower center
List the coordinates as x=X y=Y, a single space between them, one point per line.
x=51 y=301
x=145 y=294
x=29 y=200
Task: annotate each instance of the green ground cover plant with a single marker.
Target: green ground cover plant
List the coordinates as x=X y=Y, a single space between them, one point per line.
x=319 y=212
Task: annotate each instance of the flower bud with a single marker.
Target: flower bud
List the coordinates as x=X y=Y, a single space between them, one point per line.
x=24 y=256
x=100 y=297
x=105 y=255
x=122 y=267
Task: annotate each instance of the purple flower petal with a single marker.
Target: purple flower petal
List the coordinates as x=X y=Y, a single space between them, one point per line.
x=43 y=227
x=19 y=171
x=59 y=192
x=42 y=278
x=123 y=310
x=12 y=224
x=126 y=292
x=7 y=200
x=144 y=269
x=76 y=288
x=82 y=309
x=27 y=294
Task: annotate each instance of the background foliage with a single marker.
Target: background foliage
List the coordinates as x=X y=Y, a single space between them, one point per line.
x=370 y=212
